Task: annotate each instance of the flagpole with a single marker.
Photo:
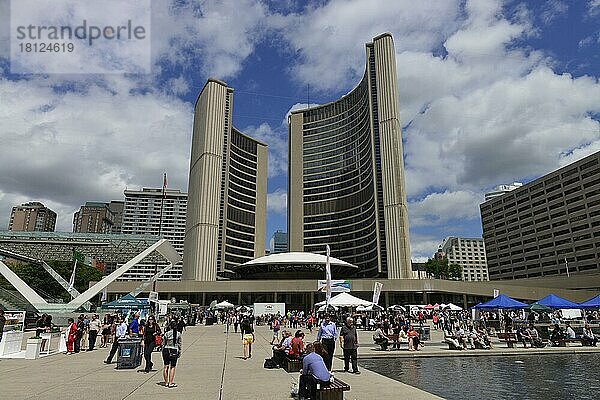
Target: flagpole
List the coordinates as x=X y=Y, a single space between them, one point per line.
x=328 y=280
x=162 y=200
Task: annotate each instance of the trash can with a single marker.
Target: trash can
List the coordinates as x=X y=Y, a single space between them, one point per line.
x=130 y=354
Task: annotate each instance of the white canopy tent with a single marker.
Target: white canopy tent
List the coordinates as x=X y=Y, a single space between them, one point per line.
x=345 y=300
x=323 y=308
x=396 y=307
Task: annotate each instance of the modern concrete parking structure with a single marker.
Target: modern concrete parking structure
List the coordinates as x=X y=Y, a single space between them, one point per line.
x=549 y=226
x=227 y=191
x=346 y=174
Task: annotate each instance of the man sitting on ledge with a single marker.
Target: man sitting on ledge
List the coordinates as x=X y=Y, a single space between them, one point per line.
x=314 y=372
x=380 y=338
x=588 y=338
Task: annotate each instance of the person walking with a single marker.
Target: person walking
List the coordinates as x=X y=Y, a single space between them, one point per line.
x=151 y=330
x=349 y=345
x=120 y=333
x=171 y=353
x=71 y=335
x=327 y=335
x=79 y=334
x=276 y=327
x=134 y=326
x=93 y=333
x=247 y=337
x=2 y=322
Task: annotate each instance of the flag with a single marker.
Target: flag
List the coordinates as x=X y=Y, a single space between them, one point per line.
x=77 y=256
x=328 y=278
x=165 y=185
x=377 y=291
x=104 y=294
x=72 y=280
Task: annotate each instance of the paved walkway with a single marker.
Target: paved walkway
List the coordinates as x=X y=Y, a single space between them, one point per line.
x=211 y=367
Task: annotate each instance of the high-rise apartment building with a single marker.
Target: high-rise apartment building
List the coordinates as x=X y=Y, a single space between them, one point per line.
x=142 y=216
x=502 y=189
x=549 y=226
x=469 y=254
x=33 y=216
x=346 y=174
x=226 y=220
x=279 y=243
x=116 y=207
x=93 y=217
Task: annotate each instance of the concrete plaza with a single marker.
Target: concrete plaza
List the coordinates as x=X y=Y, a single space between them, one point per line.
x=211 y=367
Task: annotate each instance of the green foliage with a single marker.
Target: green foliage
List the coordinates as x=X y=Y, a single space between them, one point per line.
x=37 y=277
x=440 y=269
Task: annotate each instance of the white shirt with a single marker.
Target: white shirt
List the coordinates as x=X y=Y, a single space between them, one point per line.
x=95 y=325
x=121 y=330
x=570 y=333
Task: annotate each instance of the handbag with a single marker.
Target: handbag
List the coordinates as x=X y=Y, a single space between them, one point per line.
x=173 y=353
x=158 y=340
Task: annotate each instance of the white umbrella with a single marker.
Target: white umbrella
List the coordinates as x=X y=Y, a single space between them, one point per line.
x=224 y=304
x=323 y=308
x=397 y=307
x=372 y=307
x=453 y=307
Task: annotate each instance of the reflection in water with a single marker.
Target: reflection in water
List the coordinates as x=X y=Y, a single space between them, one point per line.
x=487 y=377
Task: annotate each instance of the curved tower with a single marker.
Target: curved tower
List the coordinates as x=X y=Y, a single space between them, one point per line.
x=346 y=174
x=227 y=191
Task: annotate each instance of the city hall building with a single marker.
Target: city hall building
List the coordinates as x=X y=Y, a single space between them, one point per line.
x=346 y=174
x=550 y=226
x=227 y=191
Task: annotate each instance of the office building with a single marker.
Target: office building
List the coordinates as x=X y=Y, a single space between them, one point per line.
x=346 y=174
x=142 y=216
x=31 y=217
x=93 y=217
x=279 y=242
x=501 y=189
x=226 y=220
x=116 y=207
x=469 y=254
x=547 y=227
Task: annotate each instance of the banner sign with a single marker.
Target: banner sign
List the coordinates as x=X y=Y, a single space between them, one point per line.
x=377 y=291
x=337 y=286
x=15 y=321
x=153 y=297
x=496 y=293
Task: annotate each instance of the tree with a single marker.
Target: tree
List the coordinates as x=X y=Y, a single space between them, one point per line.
x=440 y=269
x=455 y=272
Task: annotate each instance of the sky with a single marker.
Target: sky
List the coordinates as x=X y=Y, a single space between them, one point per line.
x=490 y=92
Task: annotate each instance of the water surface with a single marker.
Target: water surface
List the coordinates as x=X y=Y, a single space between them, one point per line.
x=567 y=376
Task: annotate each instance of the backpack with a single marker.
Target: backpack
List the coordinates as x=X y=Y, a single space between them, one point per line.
x=269 y=364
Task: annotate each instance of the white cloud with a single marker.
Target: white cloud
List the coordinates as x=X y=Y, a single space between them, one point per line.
x=422 y=247
x=328 y=38
x=276 y=139
x=277 y=202
x=438 y=208
x=66 y=148
x=594 y=7
x=553 y=9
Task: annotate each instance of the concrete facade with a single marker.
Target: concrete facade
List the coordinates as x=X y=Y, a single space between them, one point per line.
x=142 y=216
x=469 y=253
x=346 y=174
x=32 y=217
x=226 y=220
x=93 y=217
x=550 y=226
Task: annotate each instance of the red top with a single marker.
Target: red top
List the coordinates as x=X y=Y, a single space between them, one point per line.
x=297 y=347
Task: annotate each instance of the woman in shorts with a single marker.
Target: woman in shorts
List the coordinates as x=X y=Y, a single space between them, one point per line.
x=171 y=352
x=247 y=337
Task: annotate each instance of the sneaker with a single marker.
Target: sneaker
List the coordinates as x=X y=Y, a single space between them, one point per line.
x=356 y=372
x=106 y=362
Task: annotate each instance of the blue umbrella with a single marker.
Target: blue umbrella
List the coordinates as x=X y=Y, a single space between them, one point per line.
x=501 y=302
x=594 y=302
x=553 y=301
